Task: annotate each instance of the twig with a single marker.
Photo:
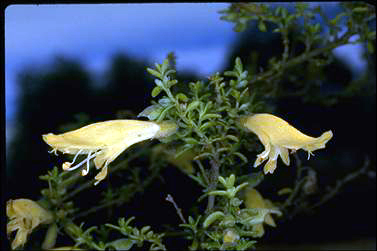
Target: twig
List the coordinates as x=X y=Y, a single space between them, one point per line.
x=340 y=183
x=121 y=199
x=298 y=182
x=179 y=211
x=212 y=186
x=303 y=57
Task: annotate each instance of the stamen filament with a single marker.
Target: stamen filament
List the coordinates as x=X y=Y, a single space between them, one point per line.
x=86 y=171
x=53 y=151
x=310 y=153
x=77 y=154
x=82 y=162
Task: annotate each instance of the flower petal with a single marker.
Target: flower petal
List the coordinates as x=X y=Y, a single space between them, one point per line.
x=101 y=175
x=284 y=154
x=318 y=143
x=270 y=166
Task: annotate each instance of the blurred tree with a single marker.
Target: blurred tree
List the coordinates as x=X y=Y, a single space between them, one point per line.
x=48 y=98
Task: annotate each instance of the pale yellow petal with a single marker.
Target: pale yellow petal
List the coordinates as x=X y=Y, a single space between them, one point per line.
x=14 y=225
x=279 y=131
x=258 y=229
x=284 y=154
x=109 y=154
x=270 y=166
x=269 y=220
x=98 y=135
x=318 y=143
x=253 y=199
x=101 y=175
x=20 y=239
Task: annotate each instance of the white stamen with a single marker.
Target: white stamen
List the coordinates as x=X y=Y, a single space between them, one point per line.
x=53 y=151
x=77 y=154
x=82 y=162
x=310 y=153
x=86 y=171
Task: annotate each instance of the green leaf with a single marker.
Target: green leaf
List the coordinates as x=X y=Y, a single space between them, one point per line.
x=222 y=180
x=165 y=65
x=191 y=141
x=242 y=83
x=202 y=155
x=154 y=73
x=181 y=97
x=206 y=125
x=232 y=137
x=145 y=229
x=165 y=101
x=156 y=91
x=235 y=94
x=192 y=105
x=164 y=112
x=122 y=244
x=244 y=107
x=230 y=181
x=210 y=116
x=151 y=112
x=238 y=65
x=212 y=218
x=159 y=83
x=241 y=156
x=230 y=74
x=172 y=82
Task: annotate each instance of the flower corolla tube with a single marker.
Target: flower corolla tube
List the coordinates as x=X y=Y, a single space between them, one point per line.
x=278 y=136
x=105 y=141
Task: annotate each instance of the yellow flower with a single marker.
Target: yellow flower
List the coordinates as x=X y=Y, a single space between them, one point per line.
x=253 y=199
x=278 y=137
x=25 y=215
x=230 y=237
x=105 y=141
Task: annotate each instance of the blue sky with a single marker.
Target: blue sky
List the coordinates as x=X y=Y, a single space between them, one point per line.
x=92 y=33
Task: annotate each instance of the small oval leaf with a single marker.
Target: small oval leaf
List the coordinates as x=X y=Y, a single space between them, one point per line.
x=212 y=218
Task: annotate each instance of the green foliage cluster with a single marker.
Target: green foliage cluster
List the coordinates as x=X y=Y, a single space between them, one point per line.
x=207 y=114
x=299 y=72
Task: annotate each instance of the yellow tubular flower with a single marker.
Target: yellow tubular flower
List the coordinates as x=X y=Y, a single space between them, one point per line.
x=278 y=137
x=105 y=141
x=253 y=199
x=25 y=215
